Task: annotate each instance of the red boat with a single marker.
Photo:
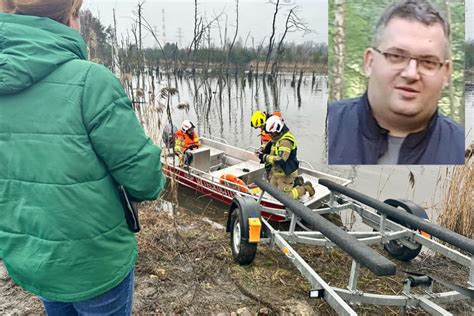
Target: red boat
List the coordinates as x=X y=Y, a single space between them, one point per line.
x=222 y=171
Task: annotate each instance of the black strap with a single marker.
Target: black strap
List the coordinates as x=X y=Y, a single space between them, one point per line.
x=460 y=289
x=129 y=209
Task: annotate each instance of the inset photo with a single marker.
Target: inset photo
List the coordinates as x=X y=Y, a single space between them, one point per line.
x=396 y=82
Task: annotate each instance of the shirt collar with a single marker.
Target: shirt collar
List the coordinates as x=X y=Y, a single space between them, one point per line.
x=413 y=144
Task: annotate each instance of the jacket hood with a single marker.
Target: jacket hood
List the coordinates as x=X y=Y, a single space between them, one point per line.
x=33 y=47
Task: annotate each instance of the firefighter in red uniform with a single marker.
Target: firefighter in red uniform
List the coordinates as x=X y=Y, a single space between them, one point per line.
x=186 y=139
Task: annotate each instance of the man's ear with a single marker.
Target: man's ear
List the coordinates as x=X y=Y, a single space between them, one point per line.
x=368 y=60
x=447 y=74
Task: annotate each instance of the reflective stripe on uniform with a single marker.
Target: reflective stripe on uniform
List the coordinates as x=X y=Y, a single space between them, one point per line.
x=294 y=193
x=277 y=148
x=278 y=173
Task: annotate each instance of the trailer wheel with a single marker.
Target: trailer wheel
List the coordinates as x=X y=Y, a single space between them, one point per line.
x=400 y=252
x=394 y=248
x=242 y=251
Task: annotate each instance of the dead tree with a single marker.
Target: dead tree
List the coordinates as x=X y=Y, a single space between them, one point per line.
x=235 y=35
x=141 y=58
x=197 y=34
x=293 y=24
x=298 y=90
x=200 y=27
x=271 y=41
x=115 y=61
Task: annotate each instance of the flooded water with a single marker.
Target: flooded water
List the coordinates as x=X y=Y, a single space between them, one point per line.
x=227 y=116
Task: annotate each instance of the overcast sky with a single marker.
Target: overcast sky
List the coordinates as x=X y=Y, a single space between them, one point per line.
x=255 y=16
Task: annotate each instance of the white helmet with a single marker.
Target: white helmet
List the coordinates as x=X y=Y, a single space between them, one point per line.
x=274 y=124
x=187 y=125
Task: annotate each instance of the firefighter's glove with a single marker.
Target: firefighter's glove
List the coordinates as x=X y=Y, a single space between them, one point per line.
x=262 y=157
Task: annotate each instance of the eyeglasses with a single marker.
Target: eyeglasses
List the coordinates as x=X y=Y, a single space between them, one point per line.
x=425 y=66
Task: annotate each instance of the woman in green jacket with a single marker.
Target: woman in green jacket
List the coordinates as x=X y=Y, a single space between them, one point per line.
x=68 y=138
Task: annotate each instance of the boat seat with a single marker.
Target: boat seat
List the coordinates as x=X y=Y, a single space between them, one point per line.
x=215 y=155
x=201 y=159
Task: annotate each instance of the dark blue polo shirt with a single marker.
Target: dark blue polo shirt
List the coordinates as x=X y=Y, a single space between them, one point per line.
x=356 y=138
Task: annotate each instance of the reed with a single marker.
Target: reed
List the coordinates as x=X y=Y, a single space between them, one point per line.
x=457 y=210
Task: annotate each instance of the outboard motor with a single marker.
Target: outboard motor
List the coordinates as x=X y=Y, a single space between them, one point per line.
x=168 y=135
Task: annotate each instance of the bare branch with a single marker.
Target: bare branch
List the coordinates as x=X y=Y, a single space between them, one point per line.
x=271 y=42
x=235 y=34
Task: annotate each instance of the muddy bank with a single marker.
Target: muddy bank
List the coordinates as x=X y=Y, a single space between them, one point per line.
x=185 y=267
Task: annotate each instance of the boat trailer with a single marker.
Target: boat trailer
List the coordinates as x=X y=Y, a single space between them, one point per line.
x=400 y=226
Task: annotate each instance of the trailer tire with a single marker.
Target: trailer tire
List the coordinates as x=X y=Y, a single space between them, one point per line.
x=400 y=252
x=242 y=251
x=395 y=249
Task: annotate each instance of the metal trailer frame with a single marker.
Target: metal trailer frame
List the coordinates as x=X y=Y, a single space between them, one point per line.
x=387 y=230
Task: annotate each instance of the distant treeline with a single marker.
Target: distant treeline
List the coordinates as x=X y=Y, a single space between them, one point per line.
x=100 y=40
x=305 y=53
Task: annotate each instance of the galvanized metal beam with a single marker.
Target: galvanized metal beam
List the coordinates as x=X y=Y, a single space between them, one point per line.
x=330 y=296
x=405 y=218
x=365 y=255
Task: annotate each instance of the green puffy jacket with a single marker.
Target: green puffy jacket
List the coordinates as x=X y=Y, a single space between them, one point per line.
x=68 y=135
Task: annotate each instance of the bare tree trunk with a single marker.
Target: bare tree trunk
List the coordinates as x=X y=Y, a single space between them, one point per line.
x=339 y=46
x=208 y=61
x=265 y=96
x=293 y=77
x=114 y=46
x=235 y=34
x=298 y=89
x=140 y=46
x=271 y=41
x=259 y=49
x=280 y=43
x=135 y=36
x=196 y=31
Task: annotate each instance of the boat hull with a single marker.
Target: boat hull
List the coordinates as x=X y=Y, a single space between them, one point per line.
x=273 y=211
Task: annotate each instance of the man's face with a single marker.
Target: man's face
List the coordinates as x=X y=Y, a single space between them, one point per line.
x=406 y=94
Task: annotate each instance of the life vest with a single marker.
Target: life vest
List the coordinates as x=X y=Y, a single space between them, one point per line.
x=264 y=136
x=231 y=178
x=291 y=164
x=183 y=141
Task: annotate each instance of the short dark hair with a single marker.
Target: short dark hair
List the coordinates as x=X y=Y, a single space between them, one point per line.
x=418 y=10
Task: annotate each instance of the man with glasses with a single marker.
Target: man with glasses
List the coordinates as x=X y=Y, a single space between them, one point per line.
x=397 y=120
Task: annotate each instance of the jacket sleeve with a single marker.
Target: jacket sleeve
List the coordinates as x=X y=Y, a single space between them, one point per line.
x=283 y=155
x=118 y=138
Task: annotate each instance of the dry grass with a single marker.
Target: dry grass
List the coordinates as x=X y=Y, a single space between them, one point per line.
x=457 y=212
x=185 y=266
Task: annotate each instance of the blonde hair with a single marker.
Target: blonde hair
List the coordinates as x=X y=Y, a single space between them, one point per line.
x=58 y=10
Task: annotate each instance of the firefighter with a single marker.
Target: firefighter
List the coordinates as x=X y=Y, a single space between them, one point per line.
x=186 y=139
x=258 y=120
x=281 y=154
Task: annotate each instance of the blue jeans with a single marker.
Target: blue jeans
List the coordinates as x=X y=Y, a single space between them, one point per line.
x=117 y=301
